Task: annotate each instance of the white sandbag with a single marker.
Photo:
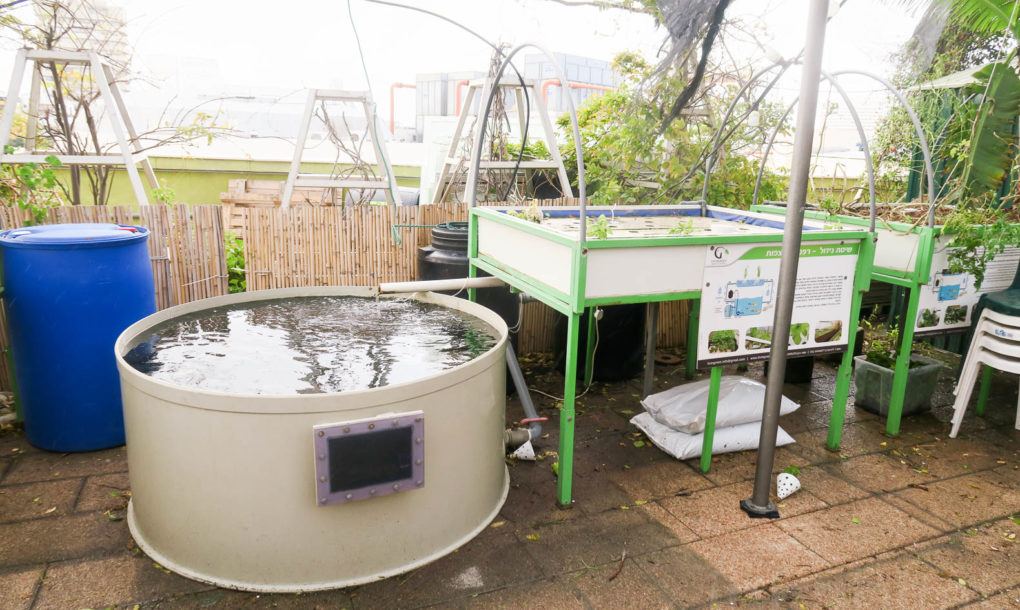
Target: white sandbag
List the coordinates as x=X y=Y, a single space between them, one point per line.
x=740 y=401
x=684 y=446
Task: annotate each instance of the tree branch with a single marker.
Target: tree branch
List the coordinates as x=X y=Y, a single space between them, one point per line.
x=699 y=71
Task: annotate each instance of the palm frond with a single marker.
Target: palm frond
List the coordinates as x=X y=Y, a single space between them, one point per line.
x=977 y=15
x=990 y=150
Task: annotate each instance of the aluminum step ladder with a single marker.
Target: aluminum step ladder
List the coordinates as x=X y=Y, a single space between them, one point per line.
x=130 y=153
x=454 y=161
x=296 y=179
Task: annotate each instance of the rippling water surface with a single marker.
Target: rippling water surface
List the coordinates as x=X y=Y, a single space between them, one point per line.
x=309 y=345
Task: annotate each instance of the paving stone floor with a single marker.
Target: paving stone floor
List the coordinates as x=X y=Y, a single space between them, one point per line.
x=916 y=521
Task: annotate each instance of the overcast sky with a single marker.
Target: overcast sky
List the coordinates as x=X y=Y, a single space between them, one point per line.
x=309 y=43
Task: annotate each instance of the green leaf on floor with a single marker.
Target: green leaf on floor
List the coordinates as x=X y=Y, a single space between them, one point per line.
x=555 y=467
x=1016 y=519
x=855 y=520
x=640 y=502
x=639 y=443
x=626 y=412
x=532 y=536
x=961 y=581
x=792 y=470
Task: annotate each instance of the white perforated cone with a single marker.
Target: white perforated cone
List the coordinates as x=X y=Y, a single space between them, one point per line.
x=786 y=484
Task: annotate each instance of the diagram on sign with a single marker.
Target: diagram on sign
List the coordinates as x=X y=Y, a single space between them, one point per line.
x=946 y=302
x=738 y=301
x=748 y=297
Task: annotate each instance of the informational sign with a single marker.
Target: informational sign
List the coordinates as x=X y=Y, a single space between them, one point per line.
x=739 y=295
x=947 y=301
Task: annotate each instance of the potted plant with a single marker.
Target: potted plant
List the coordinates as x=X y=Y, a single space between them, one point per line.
x=873 y=374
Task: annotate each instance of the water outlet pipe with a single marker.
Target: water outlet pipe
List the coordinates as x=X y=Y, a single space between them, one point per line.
x=440 y=285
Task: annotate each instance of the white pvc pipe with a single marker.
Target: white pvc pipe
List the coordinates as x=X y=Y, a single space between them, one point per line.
x=438 y=285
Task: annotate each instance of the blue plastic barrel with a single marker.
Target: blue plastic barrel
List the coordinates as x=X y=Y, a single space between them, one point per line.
x=70 y=289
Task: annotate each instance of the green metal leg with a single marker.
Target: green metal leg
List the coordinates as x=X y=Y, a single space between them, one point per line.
x=566 y=468
x=713 y=402
x=986 y=388
x=895 y=304
x=843 y=376
x=899 y=386
x=589 y=348
x=692 y=339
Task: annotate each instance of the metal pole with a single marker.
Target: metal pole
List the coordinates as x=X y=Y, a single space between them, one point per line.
x=758 y=505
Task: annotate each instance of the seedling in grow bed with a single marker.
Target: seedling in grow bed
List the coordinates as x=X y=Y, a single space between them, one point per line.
x=683 y=228
x=599 y=228
x=531 y=213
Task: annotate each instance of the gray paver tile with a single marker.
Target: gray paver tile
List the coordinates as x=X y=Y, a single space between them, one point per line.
x=38 y=500
x=834 y=534
x=686 y=577
x=903 y=581
x=595 y=540
x=656 y=512
x=71 y=537
x=223 y=599
x=756 y=558
x=479 y=566
x=18 y=588
x=120 y=580
x=1007 y=600
x=630 y=587
x=46 y=466
x=879 y=472
x=552 y=594
x=658 y=479
x=824 y=483
x=711 y=512
x=105 y=492
x=985 y=557
x=967 y=500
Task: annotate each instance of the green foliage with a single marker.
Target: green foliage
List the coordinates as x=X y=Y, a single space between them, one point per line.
x=164 y=194
x=532 y=213
x=799 y=333
x=627 y=160
x=598 y=228
x=722 y=341
x=979 y=235
x=236 y=281
x=990 y=150
x=683 y=228
x=30 y=186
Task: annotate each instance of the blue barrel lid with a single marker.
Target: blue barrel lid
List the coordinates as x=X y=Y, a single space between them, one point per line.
x=72 y=235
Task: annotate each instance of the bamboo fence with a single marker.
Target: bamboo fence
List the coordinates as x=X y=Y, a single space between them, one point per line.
x=361 y=245
x=185 y=246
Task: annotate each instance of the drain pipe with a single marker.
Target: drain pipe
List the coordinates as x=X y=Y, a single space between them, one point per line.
x=533 y=420
x=513 y=437
x=438 y=285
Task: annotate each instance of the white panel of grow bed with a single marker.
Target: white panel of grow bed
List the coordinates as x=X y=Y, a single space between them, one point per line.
x=614 y=272
x=528 y=253
x=896 y=250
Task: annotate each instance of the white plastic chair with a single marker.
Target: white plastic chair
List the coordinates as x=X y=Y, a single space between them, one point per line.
x=996 y=343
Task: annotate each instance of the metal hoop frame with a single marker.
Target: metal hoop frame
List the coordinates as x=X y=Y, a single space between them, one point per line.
x=477 y=152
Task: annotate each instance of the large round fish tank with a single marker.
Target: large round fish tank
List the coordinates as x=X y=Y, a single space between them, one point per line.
x=262 y=492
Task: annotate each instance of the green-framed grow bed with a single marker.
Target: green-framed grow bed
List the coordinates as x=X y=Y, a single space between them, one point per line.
x=903 y=257
x=637 y=263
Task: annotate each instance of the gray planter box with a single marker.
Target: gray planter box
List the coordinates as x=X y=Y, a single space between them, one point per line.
x=874 y=386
